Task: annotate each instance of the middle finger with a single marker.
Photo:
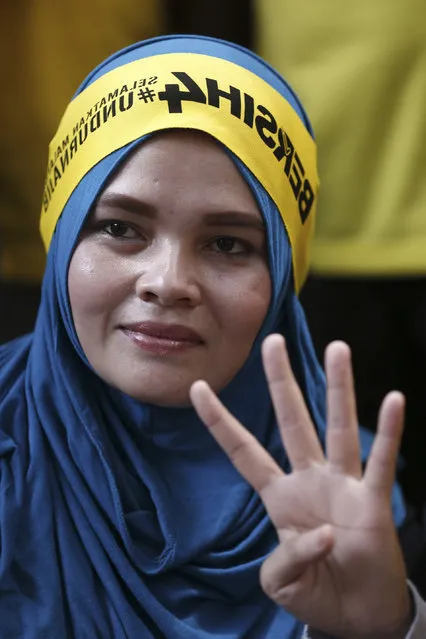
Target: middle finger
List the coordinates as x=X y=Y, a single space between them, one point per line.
x=297 y=431
x=343 y=450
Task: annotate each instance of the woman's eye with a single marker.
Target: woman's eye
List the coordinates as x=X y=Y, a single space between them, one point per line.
x=120 y=230
x=230 y=245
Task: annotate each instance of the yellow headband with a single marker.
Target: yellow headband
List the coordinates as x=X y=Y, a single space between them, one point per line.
x=187 y=90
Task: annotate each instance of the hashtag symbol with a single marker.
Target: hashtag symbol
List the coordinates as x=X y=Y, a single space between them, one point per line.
x=147 y=95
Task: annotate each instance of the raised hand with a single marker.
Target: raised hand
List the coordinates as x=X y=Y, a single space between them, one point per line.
x=338 y=566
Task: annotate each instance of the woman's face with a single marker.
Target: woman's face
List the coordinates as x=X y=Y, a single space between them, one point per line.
x=169 y=282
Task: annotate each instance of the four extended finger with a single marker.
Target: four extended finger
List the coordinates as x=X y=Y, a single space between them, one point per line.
x=251 y=460
x=297 y=431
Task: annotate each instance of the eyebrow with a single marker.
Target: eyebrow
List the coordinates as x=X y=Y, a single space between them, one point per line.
x=126 y=203
x=235 y=218
x=222 y=218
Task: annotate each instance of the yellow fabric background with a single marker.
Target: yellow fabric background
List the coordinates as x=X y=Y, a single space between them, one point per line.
x=47 y=48
x=360 y=70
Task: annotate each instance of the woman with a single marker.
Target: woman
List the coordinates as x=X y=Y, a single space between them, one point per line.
x=177 y=212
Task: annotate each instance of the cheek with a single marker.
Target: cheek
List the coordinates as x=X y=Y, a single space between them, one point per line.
x=245 y=302
x=93 y=285
x=254 y=305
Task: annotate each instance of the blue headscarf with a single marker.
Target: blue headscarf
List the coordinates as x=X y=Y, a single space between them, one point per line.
x=121 y=519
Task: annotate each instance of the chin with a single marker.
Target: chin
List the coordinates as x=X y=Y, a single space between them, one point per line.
x=170 y=398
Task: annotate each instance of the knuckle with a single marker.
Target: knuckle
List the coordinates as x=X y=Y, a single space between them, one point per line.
x=275 y=587
x=238 y=452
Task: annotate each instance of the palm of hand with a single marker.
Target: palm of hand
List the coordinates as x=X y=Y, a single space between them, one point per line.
x=323 y=583
x=338 y=566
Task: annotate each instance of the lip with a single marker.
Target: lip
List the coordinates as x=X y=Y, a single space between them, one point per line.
x=162 y=338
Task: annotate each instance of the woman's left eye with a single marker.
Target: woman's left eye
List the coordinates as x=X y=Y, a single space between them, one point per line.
x=230 y=246
x=120 y=230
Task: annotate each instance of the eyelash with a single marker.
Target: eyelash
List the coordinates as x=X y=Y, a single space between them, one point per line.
x=108 y=223
x=247 y=248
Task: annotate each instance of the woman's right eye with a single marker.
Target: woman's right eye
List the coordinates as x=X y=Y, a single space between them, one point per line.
x=120 y=230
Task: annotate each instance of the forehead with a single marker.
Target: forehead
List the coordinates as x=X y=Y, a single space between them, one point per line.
x=187 y=164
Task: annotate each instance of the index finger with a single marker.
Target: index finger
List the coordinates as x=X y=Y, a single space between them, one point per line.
x=251 y=460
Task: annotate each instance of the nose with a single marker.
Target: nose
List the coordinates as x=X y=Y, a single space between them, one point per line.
x=169 y=277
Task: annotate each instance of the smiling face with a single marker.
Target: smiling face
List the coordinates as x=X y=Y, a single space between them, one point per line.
x=169 y=282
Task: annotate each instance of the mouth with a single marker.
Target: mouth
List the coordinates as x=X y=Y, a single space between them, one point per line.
x=162 y=339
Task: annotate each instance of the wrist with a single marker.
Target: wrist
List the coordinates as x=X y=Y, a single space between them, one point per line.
x=401 y=629
x=398 y=630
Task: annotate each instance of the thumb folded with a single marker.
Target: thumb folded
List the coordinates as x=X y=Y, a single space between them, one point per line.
x=290 y=560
